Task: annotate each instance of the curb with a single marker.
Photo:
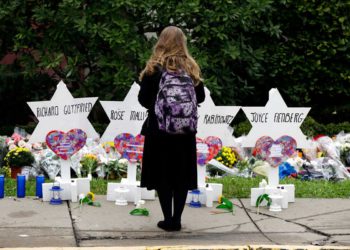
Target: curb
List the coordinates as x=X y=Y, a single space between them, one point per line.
x=194 y=247
x=249 y=247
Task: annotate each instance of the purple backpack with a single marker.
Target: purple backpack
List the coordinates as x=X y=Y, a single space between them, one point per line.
x=176 y=104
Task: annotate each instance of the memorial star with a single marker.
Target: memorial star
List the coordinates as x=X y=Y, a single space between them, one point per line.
x=275 y=120
x=63 y=112
x=126 y=116
x=215 y=120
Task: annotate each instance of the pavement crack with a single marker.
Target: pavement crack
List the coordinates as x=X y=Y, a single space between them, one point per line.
x=75 y=231
x=307 y=228
x=340 y=234
x=256 y=225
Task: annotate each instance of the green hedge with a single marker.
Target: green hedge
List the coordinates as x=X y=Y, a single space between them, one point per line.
x=244 y=48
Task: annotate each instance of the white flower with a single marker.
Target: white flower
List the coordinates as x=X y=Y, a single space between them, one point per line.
x=21 y=143
x=37 y=146
x=123 y=161
x=347 y=138
x=345 y=147
x=12 y=146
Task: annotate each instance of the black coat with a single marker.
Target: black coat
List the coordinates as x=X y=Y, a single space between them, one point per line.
x=168 y=160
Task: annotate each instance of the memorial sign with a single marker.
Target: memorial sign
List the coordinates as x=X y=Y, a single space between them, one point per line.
x=63 y=112
x=275 y=120
x=126 y=116
x=215 y=120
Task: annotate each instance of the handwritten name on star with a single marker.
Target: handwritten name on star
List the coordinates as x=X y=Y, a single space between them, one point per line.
x=215 y=119
x=132 y=115
x=70 y=109
x=289 y=117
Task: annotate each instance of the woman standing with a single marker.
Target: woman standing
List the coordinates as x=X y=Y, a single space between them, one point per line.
x=169 y=162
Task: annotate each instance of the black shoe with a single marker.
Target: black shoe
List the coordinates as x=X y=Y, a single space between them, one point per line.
x=176 y=225
x=165 y=225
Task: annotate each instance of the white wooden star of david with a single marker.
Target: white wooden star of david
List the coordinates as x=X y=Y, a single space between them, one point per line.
x=215 y=120
x=63 y=112
x=126 y=116
x=275 y=120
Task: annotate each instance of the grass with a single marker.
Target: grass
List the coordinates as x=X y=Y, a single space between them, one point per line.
x=11 y=187
x=320 y=188
x=237 y=187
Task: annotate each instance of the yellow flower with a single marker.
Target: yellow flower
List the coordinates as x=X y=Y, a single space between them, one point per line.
x=219 y=158
x=91 y=196
x=91 y=156
x=108 y=143
x=220 y=199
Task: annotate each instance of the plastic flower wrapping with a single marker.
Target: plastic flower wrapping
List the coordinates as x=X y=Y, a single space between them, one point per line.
x=327 y=158
x=227 y=157
x=342 y=142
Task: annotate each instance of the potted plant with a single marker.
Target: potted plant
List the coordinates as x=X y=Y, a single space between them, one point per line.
x=18 y=158
x=116 y=168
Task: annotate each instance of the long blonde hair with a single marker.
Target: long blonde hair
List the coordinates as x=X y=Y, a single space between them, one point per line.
x=172 y=54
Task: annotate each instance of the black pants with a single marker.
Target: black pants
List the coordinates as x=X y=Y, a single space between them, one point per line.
x=166 y=196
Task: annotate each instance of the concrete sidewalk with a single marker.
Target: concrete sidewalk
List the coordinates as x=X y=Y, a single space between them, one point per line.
x=307 y=222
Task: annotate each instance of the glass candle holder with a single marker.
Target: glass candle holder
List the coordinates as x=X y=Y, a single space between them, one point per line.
x=2 y=186
x=40 y=179
x=21 y=186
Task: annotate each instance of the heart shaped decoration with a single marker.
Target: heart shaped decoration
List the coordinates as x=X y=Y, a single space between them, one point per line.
x=129 y=146
x=64 y=145
x=275 y=152
x=207 y=149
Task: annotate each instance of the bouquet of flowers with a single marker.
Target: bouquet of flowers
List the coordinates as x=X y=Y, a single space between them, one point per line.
x=89 y=163
x=19 y=157
x=18 y=139
x=345 y=153
x=226 y=156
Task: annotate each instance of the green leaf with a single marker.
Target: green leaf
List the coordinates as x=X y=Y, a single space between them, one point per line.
x=140 y=212
x=261 y=198
x=88 y=201
x=225 y=204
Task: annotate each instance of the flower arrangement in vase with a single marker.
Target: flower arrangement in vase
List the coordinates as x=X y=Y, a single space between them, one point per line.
x=89 y=163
